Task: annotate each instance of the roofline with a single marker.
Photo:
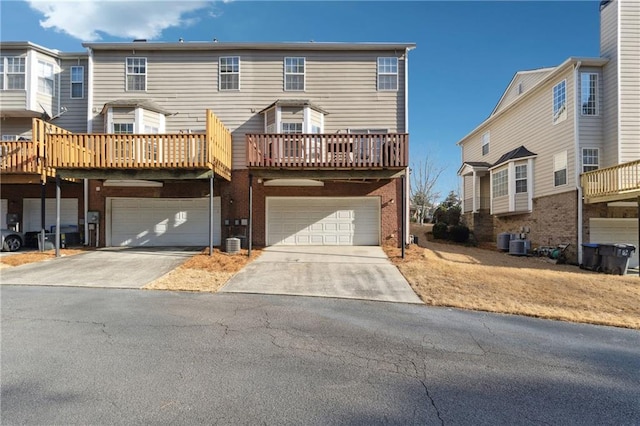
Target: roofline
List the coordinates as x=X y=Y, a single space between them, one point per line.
x=512 y=160
x=559 y=69
x=214 y=45
x=513 y=80
x=32 y=46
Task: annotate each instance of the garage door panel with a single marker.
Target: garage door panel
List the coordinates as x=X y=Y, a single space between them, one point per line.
x=163 y=222
x=323 y=221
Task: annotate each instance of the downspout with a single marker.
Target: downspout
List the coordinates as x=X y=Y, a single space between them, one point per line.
x=59 y=86
x=89 y=130
x=86 y=211
x=578 y=157
x=406 y=183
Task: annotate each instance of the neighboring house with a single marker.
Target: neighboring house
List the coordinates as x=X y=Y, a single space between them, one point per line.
x=315 y=132
x=559 y=156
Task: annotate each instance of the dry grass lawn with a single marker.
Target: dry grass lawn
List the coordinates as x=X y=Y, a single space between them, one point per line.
x=35 y=256
x=203 y=272
x=482 y=279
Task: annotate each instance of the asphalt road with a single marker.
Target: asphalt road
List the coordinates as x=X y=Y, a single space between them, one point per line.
x=111 y=356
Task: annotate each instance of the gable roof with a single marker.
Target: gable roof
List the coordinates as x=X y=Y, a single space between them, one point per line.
x=520 y=152
x=135 y=103
x=534 y=76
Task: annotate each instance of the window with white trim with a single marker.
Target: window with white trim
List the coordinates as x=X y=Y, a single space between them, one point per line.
x=560 y=102
x=388 y=74
x=45 y=78
x=292 y=146
x=9 y=138
x=560 y=169
x=590 y=159
x=485 y=143
x=500 y=183
x=123 y=128
x=12 y=73
x=77 y=82
x=229 y=72
x=136 y=74
x=589 y=93
x=294 y=74
x=521 y=178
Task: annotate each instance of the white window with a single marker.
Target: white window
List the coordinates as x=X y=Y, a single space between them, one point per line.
x=77 y=82
x=560 y=169
x=123 y=128
x=589 y=93
x=136 y=74
x=294 y=74
x=485 y=143
x=560 y=102
x=501 y=183
x=590 y=159
x=521 y=178
x=12 y=73
x=229 y=70
x=388 y=74
x=292 y=146
x=45 y=78
x=291 y=127
x=9 y=138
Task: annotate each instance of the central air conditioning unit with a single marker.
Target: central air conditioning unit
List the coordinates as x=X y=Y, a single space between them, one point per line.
x=504 y=239
x=519 y=247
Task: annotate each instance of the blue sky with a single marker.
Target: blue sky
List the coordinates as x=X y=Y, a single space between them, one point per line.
x=467 y=52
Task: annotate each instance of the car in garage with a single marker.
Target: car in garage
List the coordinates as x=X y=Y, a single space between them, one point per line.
x=11 y=240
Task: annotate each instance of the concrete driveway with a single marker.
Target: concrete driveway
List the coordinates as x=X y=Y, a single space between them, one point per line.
x=360 y=272
x=109 y=267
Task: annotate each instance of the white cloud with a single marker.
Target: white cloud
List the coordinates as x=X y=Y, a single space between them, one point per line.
x=85 y=20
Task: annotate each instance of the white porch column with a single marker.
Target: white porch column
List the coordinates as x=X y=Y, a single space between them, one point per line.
x=474 y=202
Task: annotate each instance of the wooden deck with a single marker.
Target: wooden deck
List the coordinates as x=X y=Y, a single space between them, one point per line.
x=617 y=183
x=328 y=151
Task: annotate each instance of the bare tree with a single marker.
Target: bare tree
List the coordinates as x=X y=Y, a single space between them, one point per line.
x=423 y=181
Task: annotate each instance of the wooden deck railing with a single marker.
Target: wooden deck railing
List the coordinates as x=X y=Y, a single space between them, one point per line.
x=220 y=146
x=19 y=157
x=617 y=182
x=331 y=151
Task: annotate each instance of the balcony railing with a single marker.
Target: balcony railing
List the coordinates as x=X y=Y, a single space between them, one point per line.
x=612 y=183
x=19 y=157
x=330 y=151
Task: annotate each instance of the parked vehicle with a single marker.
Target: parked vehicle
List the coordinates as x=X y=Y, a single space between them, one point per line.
x=11 y=240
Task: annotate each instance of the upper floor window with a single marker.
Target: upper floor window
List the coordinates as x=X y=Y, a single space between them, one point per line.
x=137 y=74
x=521 y=178
x=500 y=183
x=229 y=69
x=560 y=101
x=388 y=74
x=485 y=143
x=294 y=73
x=560 y=169
x=590 y=160
x=77 y=82
x=12 y=73
x=589 y=93
x=45 y=78
x=9 y=138
x=123 y=128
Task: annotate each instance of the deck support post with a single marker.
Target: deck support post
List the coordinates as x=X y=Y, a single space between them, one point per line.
x=211 y=214
x=43 y=198
x=58 y=196
x=250 y=214
x=404 y=216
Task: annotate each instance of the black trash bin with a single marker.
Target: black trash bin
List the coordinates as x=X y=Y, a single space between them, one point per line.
x=615 y=257
x=591 y=258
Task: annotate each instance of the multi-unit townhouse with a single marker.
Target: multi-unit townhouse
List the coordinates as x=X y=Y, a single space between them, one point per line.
x=188 y=143
x=559 y=156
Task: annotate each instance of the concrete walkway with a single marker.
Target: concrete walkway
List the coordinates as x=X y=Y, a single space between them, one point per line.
x=325 y=271
x=109 y=267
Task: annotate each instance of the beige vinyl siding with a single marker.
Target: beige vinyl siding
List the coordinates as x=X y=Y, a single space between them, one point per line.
x=500 y=205
x=316 y=118
x=629 y=63
x=527 y=79
x=124 y=115
x=75 y=118
x=151 y=118
x=522 y=202
x=467 y=186
x=49 y=103
x=292 y=114
x=20 y=127
x=590 y=126
x=530 y=123
x=609 y=110
x=485 y=191
x=342 y=83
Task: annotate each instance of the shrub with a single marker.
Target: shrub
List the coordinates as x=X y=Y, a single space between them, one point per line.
x=440 y=231
x=459 y=234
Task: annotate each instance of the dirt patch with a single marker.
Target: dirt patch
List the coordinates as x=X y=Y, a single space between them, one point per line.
x=35 y=256
x=488 y=280
x=203 y=272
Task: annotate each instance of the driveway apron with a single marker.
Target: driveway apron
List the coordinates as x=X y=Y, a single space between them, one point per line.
x=360 y=272
x=110 y=267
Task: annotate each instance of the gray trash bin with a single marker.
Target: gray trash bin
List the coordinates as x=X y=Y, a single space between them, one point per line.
x=591 y=258
x=615 y=257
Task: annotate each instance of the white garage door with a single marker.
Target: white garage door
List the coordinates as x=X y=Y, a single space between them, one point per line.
x=323 y=221
x=606 y=230
x=31 y=208
x=162 y=222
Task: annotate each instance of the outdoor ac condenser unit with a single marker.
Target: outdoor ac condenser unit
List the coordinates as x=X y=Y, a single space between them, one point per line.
x=518 y=247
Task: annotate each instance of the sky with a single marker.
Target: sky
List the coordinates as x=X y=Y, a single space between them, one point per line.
x=467 y=51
